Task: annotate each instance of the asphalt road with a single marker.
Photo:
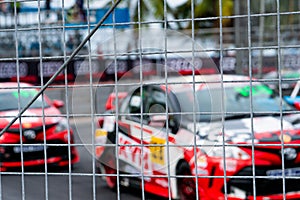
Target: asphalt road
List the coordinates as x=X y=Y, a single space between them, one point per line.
x=82 y=183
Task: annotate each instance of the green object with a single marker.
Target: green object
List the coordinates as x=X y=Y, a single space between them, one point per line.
x=256 y=90
x=292 y=75
x=24 y=93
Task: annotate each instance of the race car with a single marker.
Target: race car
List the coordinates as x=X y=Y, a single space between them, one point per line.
x=207 y=136
x=289 y=78
x=41 y=136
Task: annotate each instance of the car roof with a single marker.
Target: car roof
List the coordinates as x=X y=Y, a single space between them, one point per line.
x=14 y=85
x=181 y=83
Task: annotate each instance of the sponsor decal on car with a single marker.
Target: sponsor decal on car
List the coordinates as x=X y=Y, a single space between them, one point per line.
x=131 y=152
x=157 y=150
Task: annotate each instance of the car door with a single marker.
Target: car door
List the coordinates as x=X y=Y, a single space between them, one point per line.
x=132 y=150
x=146 y=134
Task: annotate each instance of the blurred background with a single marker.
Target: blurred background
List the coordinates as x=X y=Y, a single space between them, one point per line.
x=262 y=36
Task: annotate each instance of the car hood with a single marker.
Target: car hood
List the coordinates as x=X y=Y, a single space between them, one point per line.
x=245 y=130
x=30 y=118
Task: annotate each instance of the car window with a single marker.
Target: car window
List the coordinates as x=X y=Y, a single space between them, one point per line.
x=136 y=102
x=157 y=108
x=237 y=99
x=156 y=102
x=9 y=99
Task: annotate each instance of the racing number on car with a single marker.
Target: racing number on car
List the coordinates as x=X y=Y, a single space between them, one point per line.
x=157 y=150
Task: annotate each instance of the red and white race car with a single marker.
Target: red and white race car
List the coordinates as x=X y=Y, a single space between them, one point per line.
x=45 y=134
x=208 y=136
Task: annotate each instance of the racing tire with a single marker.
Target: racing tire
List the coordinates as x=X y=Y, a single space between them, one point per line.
x=186 y=185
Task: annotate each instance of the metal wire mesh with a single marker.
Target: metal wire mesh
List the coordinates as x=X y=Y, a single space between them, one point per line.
x=150 y=96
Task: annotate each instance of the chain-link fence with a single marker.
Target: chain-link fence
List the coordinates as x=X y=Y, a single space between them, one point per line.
x=149 y=99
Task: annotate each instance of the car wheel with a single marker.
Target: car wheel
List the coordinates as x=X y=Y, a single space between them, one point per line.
x=186 y=185
x=111 y=180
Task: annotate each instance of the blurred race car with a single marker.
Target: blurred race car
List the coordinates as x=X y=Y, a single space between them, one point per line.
x=289 y=78
x=34 y=140
x=208 y=136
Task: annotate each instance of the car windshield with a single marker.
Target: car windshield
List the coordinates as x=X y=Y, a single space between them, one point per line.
x=236 y=102
x=9 y=99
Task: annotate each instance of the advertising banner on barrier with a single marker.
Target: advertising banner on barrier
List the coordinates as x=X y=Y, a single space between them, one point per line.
x=106 y=69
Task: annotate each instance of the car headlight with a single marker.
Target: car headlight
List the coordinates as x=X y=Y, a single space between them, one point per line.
x=230 y=152
x=62 y=125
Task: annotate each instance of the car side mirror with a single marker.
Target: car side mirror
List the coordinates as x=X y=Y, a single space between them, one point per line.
x=58 y=103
